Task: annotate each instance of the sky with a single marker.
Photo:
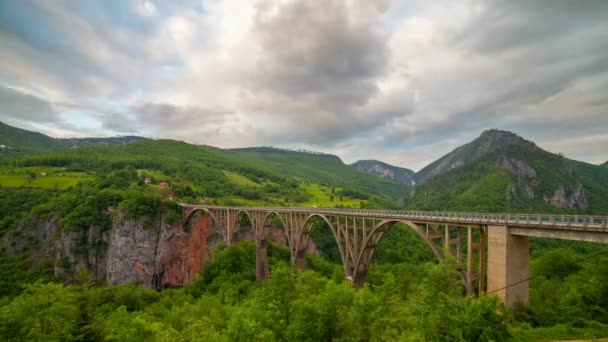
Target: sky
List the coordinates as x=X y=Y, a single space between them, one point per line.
x=404 y=82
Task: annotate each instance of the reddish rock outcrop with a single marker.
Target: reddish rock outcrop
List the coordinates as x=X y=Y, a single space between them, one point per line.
x=182 y=254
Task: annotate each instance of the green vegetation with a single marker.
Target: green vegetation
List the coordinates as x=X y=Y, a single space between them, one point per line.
x=228 y=177
x=402 y=301
x=483 y=185
x=321 y=169
x=224 y=303
x=16 y=142
x=50 y=179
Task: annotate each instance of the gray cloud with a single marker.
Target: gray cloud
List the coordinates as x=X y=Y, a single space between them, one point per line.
x=360 y=78
x=25 y=107
x=320 y=51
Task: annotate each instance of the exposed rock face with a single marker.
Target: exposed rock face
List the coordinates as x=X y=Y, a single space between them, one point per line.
x=161 y=257
x=518 y=167
x=568 y=198
x=68 y=263
x=46 y=241
x=375 y=167
x=526 y=178
x=157 y=255
x=182 y=254
x=131 y=253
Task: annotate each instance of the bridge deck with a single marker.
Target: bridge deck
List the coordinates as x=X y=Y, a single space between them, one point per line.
x=562 y=222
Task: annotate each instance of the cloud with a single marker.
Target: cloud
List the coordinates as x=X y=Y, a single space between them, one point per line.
x=21 y=106
x=401 y=81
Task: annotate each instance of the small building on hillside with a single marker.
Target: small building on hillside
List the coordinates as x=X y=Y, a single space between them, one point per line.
x=147 y=180
x=163 y=185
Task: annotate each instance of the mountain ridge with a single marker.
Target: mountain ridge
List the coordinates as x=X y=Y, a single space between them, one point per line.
x=15 y=142
x=489 y=141
x=501 y=171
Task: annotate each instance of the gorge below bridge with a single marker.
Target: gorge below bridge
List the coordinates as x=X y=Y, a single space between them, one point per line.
x=491 y=250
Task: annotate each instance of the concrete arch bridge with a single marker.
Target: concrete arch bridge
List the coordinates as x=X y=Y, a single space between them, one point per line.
x=477 y=241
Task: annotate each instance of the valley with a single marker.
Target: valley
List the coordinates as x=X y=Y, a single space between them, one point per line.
x=102 y=222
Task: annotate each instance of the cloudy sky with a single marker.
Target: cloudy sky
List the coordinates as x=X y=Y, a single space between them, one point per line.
x=400 y=81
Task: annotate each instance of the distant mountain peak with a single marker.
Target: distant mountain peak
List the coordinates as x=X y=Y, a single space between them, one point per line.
x=490 y=141
x=605 y=164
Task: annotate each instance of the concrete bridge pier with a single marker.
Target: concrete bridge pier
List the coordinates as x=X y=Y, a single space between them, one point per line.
x=261 y=260
x=299 y=259
x=508 y=265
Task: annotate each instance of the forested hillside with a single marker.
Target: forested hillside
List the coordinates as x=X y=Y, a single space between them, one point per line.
x=501 y=172
x=320 y=168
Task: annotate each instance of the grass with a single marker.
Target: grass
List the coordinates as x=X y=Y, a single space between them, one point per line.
x=322 y=197
x=240 y=180
x=60 y=181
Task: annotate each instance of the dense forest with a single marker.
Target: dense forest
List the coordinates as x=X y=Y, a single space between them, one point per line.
x=409 y=296
x=402 y=301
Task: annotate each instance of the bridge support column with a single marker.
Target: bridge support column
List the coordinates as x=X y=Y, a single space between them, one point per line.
x=300 y=259
x=508 y=265
x=261 y=260
x=359 y=279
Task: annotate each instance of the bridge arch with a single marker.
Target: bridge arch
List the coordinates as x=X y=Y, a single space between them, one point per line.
x=383 y=226
x=191 y=214
x=273 y=213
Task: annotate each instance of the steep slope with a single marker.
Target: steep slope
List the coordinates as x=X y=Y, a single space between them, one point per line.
x=605 y=164
x=319 y=168
x=488 y=142
x=398 y=174
x=501 y=171
x=17 y=142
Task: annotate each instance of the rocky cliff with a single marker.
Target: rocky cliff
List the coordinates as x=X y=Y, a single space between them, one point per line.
x=155 y=254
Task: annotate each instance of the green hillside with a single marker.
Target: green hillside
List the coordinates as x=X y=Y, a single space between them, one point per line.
x=517 y=178
x=319 y=168
x=229 y=177
x=17 y=142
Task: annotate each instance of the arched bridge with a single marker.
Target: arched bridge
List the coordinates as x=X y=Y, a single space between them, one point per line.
x=478 y=242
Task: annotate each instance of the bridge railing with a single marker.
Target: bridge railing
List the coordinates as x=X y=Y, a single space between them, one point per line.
x=538 y=220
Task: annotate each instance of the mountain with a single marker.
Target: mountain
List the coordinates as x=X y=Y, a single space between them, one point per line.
x=605 y=164
x=501 y=171
x=319 y=168
x=16 y=142
x=398 y=174
x=490 y=141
